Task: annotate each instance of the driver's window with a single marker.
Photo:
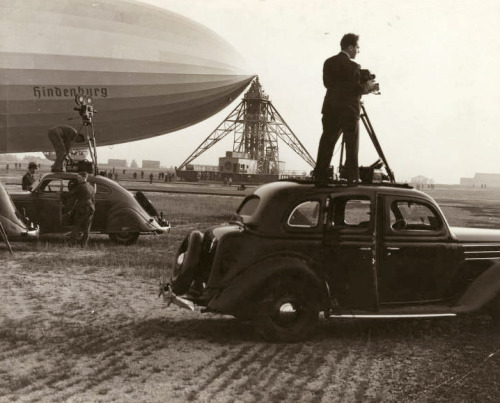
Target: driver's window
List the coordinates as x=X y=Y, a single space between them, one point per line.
x=52 y=186
x=410 y=215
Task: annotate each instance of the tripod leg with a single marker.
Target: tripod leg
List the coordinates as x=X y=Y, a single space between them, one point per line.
x=371 y=133
x=4 y=237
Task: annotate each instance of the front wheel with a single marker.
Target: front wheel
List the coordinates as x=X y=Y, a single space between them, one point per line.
x=124 y=238
x=288 y=312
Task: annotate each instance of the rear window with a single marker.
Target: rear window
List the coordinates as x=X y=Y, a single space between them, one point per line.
x=305 y=215
x=249 y=206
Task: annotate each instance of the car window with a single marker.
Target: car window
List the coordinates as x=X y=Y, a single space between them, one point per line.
x=101 y=189
x=411 y=215
x=249 y=206
x=351 y=212
x=305 y=215
x=53 y=186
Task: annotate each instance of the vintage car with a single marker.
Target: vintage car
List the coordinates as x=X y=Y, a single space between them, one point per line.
x=119 y=213
x=351 y=251
x=15 y=225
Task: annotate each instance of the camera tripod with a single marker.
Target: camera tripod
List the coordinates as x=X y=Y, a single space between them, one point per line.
x=90 y=139
x=371 y=132
x=86 y=110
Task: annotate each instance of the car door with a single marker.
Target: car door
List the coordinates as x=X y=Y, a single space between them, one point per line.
x=417 y=254
x=102 y=205
x=349 y=251
x=49 y=205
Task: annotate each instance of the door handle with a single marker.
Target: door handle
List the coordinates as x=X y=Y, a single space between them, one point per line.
x=365 y=248
x=392 y=248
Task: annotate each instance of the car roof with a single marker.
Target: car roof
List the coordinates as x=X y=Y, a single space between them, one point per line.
x=99 y=179
x=278 y=198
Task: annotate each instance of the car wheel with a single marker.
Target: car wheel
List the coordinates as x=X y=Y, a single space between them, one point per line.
x=124 y=238
x=288 y=312
x=186 y=262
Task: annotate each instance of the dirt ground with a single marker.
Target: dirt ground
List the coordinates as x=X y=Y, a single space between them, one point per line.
x=86 y=325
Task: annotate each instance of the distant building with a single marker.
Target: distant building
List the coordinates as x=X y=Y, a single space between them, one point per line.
x=481 y=179
x=117 y=163
x=239 y=162
x=420 y=180
x=149 y=164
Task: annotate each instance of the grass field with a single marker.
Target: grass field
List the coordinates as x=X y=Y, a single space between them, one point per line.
x=86 y=325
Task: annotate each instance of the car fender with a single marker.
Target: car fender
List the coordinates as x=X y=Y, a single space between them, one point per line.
x=126 y=219
x=256 y=277
x=481 y=291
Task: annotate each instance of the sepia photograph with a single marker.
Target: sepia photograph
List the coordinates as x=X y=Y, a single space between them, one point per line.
x=249 y=201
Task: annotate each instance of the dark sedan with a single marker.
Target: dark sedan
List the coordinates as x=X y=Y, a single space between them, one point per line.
x=352 y=251
x=119 y=213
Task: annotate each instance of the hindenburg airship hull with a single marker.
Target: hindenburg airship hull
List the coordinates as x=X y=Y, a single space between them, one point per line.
x=148 y=70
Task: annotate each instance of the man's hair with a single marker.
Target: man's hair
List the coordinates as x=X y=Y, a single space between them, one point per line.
x=83 y=174
x=348 y=40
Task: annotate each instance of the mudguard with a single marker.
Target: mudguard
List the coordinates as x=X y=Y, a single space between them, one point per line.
x=126 y=219
x=255 y=278
x=482 y=291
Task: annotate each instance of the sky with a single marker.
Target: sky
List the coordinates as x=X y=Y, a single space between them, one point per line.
x=437 y=62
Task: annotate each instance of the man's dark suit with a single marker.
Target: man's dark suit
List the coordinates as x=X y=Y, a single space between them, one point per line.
x=341 y=110
x=82 y=200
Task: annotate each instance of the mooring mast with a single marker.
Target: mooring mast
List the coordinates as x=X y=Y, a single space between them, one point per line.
x=256 y=125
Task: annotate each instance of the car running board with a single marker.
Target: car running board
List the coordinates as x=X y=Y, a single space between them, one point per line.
x=391 y=316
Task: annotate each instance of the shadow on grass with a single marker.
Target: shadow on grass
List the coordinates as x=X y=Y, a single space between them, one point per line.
x=227 y=329
x=214 y=329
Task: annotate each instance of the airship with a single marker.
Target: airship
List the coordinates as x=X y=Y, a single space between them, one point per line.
x=149 y=71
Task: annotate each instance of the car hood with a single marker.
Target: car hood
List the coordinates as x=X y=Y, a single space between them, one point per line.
x=462 y=234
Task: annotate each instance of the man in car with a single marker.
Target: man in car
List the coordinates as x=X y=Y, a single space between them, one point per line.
x=29 y=177
x=82 y=200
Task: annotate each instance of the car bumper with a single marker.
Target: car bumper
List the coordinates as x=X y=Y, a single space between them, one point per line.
x=32 y=233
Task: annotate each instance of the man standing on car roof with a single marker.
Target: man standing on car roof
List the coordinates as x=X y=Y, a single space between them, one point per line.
x=341 y=109
x=82 y=200
x=29 y=177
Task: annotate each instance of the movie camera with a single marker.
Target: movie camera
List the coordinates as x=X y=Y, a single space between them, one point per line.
x=366 y=75
x=85 y=108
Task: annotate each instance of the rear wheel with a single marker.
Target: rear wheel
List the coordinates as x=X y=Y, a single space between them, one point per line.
x=124 y=238
x=289 y=311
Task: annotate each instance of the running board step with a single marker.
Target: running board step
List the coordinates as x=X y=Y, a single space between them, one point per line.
x=391 y=316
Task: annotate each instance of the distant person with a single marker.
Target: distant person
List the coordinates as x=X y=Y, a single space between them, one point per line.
x=142 y=174
x=61 y=137
x=135 y=175
x=341 y=109
x=151 y=176
x=82 y=200
x=29 y=177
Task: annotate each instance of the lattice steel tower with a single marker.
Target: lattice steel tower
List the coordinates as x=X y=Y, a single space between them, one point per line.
x=256 y=125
